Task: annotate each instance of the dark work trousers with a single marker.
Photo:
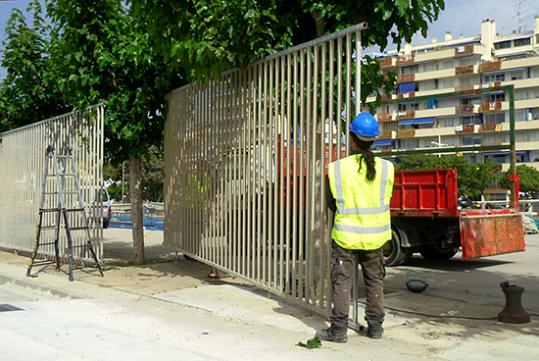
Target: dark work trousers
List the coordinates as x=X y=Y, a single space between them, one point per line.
x=342 y=268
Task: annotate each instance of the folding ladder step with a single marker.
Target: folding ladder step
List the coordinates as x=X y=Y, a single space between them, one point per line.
x=49 y=210
x=62 y=175
x=47 y=243
x=66 y=192
x=75 y=210
x=42 y=263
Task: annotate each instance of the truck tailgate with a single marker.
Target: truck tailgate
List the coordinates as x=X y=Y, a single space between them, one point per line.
x=490 y=232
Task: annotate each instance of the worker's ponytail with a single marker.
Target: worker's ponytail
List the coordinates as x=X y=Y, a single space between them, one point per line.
x=366 y=156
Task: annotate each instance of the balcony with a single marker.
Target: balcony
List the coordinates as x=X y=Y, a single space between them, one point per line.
x=464 y=50
x=404 y=78
x=464 y=70
x=406 y=114
x=491 y=127
x=490 y=66
x=386 y=62
x=467 y=89
x=464 y=109
x=406 y=95
x=460 y=129
x=386 y=134
x=405 y=59
x=405 y=133
x=384 y=117
x=492 y=106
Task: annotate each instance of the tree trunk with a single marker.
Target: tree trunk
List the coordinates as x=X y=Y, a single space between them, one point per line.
x=135 y=195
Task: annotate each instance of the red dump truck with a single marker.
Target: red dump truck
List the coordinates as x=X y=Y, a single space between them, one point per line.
x=426 y=217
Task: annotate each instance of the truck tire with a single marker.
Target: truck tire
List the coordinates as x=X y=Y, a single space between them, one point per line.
x=394 y=253
x=433 y=252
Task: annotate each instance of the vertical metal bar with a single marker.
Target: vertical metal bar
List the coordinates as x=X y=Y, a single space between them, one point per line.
x=264 y=176
x=326 y=273
x=339 y=97
x=312 y=178
x=243 y=101
x=237 y=166
x=276 y=116
x=348 y=89
x=286 y=158
x=281 y=199
x=233 y=152
x=293 y=176
x=253 y=172
x=273 y=64
x=321 y=269
x=223 y=193
x=302 y=165
x=258 y=176
x=358 y=72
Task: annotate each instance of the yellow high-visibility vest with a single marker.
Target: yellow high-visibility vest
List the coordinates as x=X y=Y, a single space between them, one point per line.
x=362 y=219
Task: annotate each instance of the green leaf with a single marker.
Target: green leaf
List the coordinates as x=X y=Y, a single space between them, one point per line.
x=311 y=343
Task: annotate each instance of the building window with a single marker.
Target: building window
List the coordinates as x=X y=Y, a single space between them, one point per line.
x=472 y=119
x=502 y=44
x=471 y=140
x=408 y=106
x=448 y=64
x=410 y=69
x=495 y=118
x=496 y=98
x=517 y=75
x=522 y=42
x=489 y=78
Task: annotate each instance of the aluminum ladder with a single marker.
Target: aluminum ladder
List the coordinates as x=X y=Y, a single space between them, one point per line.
x=64 y=190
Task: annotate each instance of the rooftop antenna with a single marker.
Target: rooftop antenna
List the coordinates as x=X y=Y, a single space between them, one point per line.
x=518 y=8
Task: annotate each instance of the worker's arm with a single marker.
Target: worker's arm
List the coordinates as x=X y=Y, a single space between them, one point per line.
x=331 y=203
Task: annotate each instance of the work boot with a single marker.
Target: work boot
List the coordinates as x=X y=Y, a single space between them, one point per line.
x=375 y=331
x=333 y=334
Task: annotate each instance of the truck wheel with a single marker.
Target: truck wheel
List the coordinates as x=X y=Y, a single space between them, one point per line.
x=394 y=254
x=434 y=252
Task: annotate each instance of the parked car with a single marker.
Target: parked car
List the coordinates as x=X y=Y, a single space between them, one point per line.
x=107 y=209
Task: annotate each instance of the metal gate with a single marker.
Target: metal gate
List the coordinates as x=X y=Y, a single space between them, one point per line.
x=245 y=163
x=22 y=156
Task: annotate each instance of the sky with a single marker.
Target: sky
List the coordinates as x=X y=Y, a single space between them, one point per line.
x=460 y=17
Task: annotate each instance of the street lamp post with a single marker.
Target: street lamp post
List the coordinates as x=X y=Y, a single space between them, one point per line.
x=439 y=144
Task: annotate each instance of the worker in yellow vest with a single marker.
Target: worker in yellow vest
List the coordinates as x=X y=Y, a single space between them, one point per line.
x=360 y=188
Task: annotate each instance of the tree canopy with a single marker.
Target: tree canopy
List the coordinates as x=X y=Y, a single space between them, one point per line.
x=29 y=92
x=473 y=178
x=203 y=38
x=528 y=176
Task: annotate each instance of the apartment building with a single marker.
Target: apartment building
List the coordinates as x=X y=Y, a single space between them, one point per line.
x=462 y=64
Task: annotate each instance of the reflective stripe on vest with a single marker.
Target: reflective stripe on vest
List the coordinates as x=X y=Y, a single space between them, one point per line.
x=362 y=220
x=340 y=199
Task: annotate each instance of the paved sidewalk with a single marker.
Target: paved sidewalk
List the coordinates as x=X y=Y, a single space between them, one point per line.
x=169 y=307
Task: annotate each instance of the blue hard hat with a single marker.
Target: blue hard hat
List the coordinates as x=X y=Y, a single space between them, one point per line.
x=365 y=126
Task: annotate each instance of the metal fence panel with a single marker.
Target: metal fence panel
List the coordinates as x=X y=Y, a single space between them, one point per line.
x=245 y=165
x=22 y=157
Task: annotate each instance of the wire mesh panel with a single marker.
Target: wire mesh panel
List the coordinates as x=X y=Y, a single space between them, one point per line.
x=22 y=160
x=246 y=160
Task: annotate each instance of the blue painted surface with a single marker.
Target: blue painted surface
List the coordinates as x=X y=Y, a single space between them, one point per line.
x=153 y=223
x=537 y=221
